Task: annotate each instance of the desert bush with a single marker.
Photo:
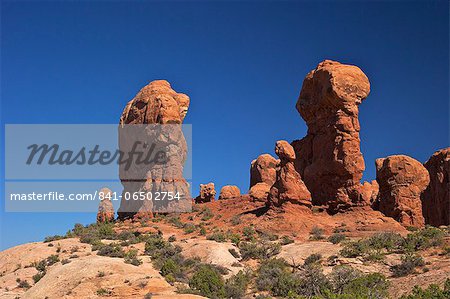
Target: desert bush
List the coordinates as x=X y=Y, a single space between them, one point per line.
x=268 y=236
x=189 y=228
x=38 y=276
x=172 y=238
x=131 y=258
x=208 y=282
x=206 y=214
x=249 y=233
x=371 y=286
x=52 y=259
x=218 y=237
x=236 y=285
x=111 y=250
x=23 y=284
x=386 y=240
x=341 y=276
x=170 y=267
x=103 y=292
x=336 y=238
x=236 y=220
x=176 y=221
x=316 y=233
x=234 y=253
x=273 y=275
x=202 y=231
x=313 y=258
x=408 y=265
x=423 y=239
x=285 y=240
x=432 y=292
x=53 y=238
x=65 y=261
x=258 y=250
x=101 y=274
x=354 y=249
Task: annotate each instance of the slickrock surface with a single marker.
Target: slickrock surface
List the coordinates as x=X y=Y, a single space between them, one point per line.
x=329 y=158
x=436 y=198
x=229 y=191
x=402 y=180
x=263 y=170
x=288 y=186
x=156 y=104
x=207 y=193
x=105 y=209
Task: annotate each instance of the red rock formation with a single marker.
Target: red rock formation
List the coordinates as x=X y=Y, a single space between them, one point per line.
x=207 y=193
x=105 y=208
x=436 y=198
x=259 y=192
x=402 y=180
x=329 y=157
x=369 y=192
x=288 y=186
x=229 y=192
x=155 y=105
x=263 y=170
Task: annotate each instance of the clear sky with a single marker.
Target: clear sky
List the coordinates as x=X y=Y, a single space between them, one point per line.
x=241 y=63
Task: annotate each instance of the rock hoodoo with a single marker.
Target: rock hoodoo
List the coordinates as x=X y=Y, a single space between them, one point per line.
x=105 y=208
x=288 y=186
x=402 y=180
x=263 y=170
x=369 y=193
x=259 y=192
x=229 y=192
x=155 y=105
x=207 y=193
x=329 y=157
x=436 y=198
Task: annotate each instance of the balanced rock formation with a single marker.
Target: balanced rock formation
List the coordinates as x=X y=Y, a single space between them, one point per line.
x=207 y=193
x=263 y=170
x=436 y=198
x=151 y=123
x=402 y=180
x=105 y=208
x=329 y=157
x=369 y=192
x=288 y=186
x=229 y=192
x=259 y=192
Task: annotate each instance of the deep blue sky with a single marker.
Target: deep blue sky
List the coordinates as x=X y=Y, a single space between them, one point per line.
x=241 y=63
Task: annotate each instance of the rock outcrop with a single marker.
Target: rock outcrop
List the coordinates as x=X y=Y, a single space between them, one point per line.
x=263 y=170
x=229 y=192
x=402 y=180
x=288 y=186
x=259 y=192
x=207 y=193
x=369 y=193
x=329 y=157
x=105 y=208
x=436 y=198
x=151 y=122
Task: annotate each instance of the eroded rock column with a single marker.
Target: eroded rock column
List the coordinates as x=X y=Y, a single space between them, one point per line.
x=329 y=158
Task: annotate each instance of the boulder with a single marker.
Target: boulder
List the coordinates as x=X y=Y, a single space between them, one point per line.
x=263 y=170
x=105 y=208
x=436 y=198
x=288 y=186
x=329 y=158
x=229 y=192
x=207 y=193
x=151 y=123
x=259 y=192
x=402 y=180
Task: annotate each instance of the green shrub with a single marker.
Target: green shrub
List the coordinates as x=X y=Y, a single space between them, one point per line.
x=189 y=228
x=316 y=233
x=423 y=239
x=234 y=238
x=236 y=220
x=234 y=253
x=111 y=250
x=373 y=285
x=285 y=240
x=65 y=261
x=354 y=249
x=258 y=250
x=23 y=284
x=131 y=258
x=53 y=238
x=408 y=265
x=172 y=238
x=38 y=276
x=218 y=237
x=236 y=286
x=432 y=292
x=206 y=214
x=341 y=276
x=336 y=238
x=313 y=258
x=271 y=276
x=52 y=259
x=385 y=240
x=249 y=232
x=169 y=267
x=208 y=282
x=104 y=292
